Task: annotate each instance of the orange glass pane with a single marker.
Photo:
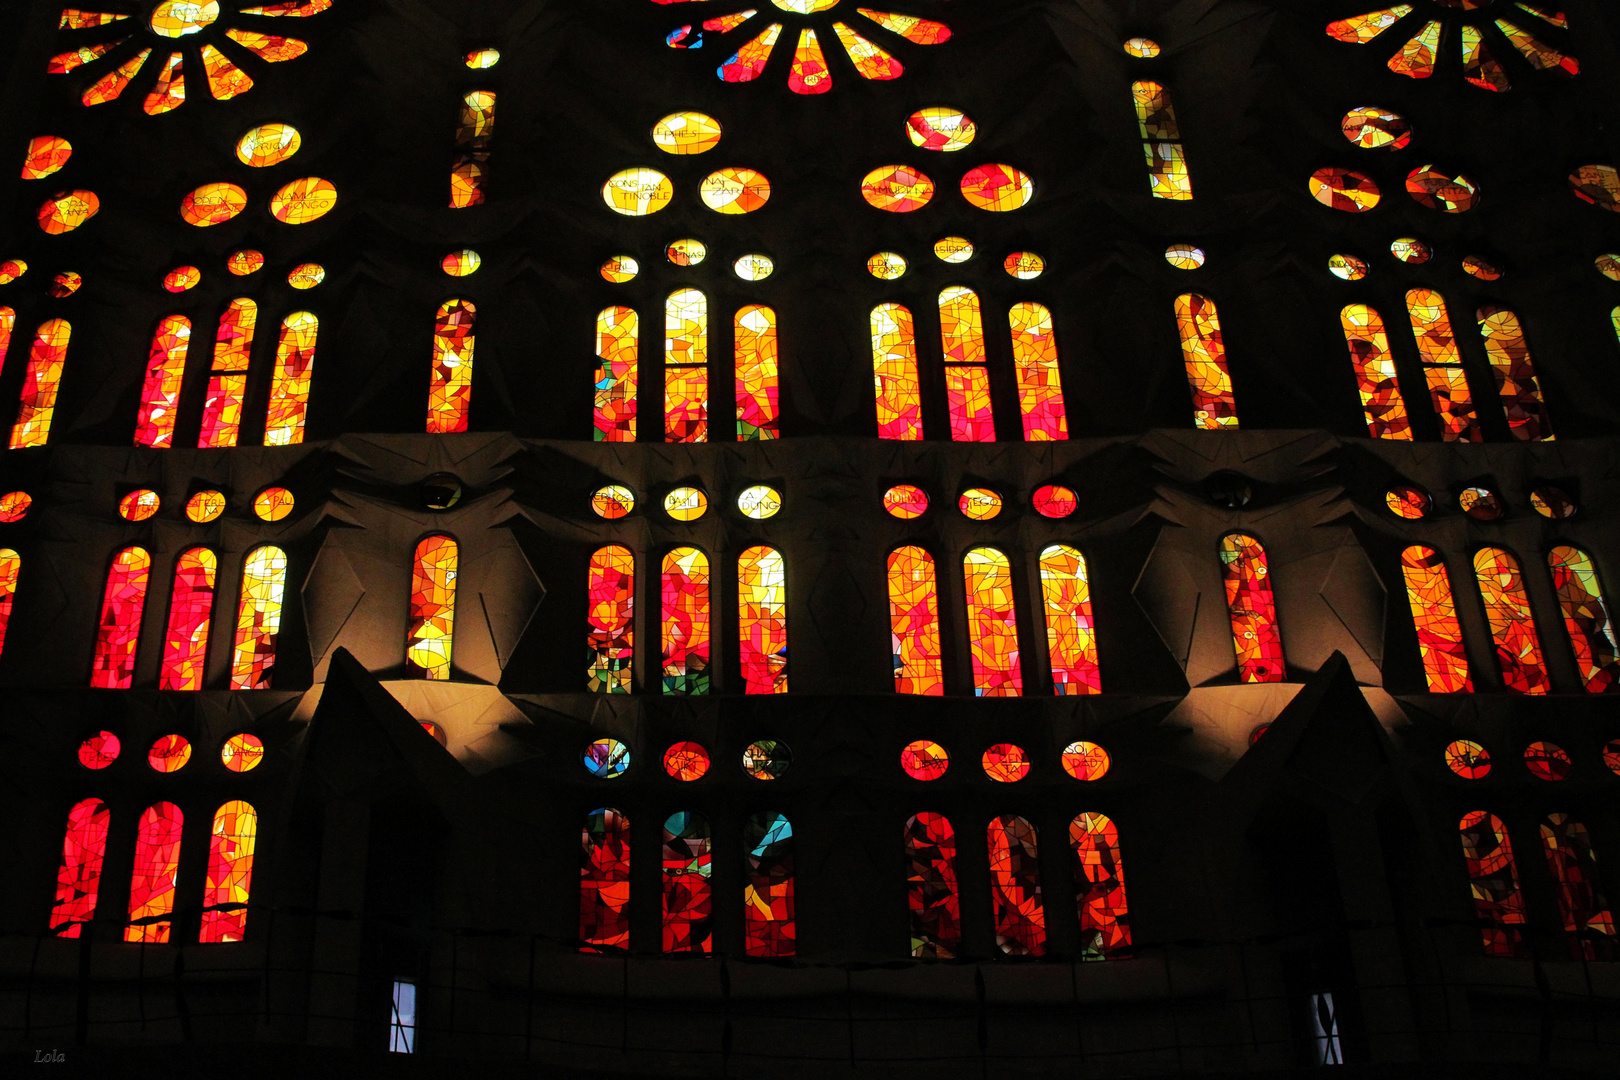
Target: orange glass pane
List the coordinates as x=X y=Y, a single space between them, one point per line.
x=1168 y=177
x=1416 y=58
x=1442 y=366
x=230 y=872
x=160 y=392
x=233 y=348
x=615 y=388
x=1468 y=759
x=1434 y=614
x=258 y=620
x=1494 y=881
x=748 y=62
x=894 y=373
x=1542 y=57
x=169 y=92
x=1204 y=351
x=78 y=880
x=684 y=634
x=304 y=200
x=1374 y=366
x=66 y=211
x=1099 y=876
x=212 y=204
x=109 y=86
x=46 y=358
x=1516 y=383
x=997 y=188
x=1360 y=29
x=470 y=166
x=191 y=608
x=809 y=74
x=1035 y=361
x=450 y=379
x=925 y=760
x=1586 y=617
x=992 y=624
x=762 y=620
x=870 y=61
x=1253 y=610
x=431 y=630
x=687 y=898
x=225 y=79
x=45 y=155
x=157 y=865
x=755 y=347
x=63 y=63
x=1479 y=64
x=1015 y=887
x=1513 y=628
x=10 y=567
x=289 y=383
x=1071 y=633
x=119 y=627
x=899 y=189
x=914 y=623
x=604 y=882
x=770 y=925
x=915 y=30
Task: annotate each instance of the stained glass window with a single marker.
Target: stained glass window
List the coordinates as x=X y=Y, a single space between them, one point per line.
x=1253 y=610
x=157 y=864
x=1434 y=615
x=1204 y=351
x=1494 y=881
x=1035 y=361
x=685 y=634
x=46 y=358
x=191 y=607
x=470 y=165
x=770 y=927
x=1071 y=636
x=230 y=872
x=1099 y=875
x=432 y=626
x=1375 y=373
x=604 y=882
x=1442 y=367
x=1586 y=617
x=78 y=881
x=935 y=907
x=160 y=392
x=686 y=367
x=615 y=409
x=258 y=620
x=1015 y=887
x=1515 y=374
x=227 y=383
x=611 y=592
x=450 y=383
x=758 y=410
x=762 y=620
x=925 y=760
x=1513 y=628
x=914 y=622
x=967 y=377
x=1161 y=142
x=894 y=373
x=119 y=628
x=688 y=904
x=992 y=624
x=10 y=568
x=289 y=383
x=1573 y=864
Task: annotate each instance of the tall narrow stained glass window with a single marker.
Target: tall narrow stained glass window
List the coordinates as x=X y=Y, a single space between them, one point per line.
x=258 y=619
x=289 y=382
x=894 y=373
x=1204 y=351
x=119 y=628
x=1494 y=880
x=1516 y=383
x=992 y=621
x=1375 y=373
x=1253 y=609
x=967 y=376
x=8 y=323
x=1573 y=866
x=160 y=391
x=611 y=594
x=230 y=872
x=1161 y=141
x=770 y=929
x=227 y=381
x=431 y=631
x=469 y=167
x=1434 y=615
x=604 y=882
x=1513 y=628
x=450 y=382
x=914 y=622
x=1015 y=887
x=1035 y=362
x=1586 y=617
x=762 y=620
x=37 y=404
x=932 y=899
x=157 y=865
x=686 y=621
x=191 y=610
x=688 y=903
x=10 y=570
x=1099 y=876
x=1071 y=634
x=614 y=414
x=1442 y=367
x=78 y=881
x=758 y=407
x=686 y=367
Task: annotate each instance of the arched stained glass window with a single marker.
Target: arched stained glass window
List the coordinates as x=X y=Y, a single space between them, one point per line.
x=157 y=864
x=37 y=403
x=227 y=382
x=935 y=906
x=119 y=628
x=1442 y=366
x=258 y=619
x=1586 y=617
x=992 y=624
x=1494 y=881
x=450 y=383
x=894 y=372
x=1099 y=876
x=1253 y=609
x=769 y=926
x=469 y=168
x=230 y=872
x=78 y=881
x=914 y=622
x=1513 y=628
x=688 y=904
x=289 y=383
x=1035 y=361
x=762 y=620
x=1015 y=887
x=160 y=391
x=1573 y=865
x=616 y=347
x=967 y=378
x=1071 y=634
x=611 y=591
x=1204 y=351
x=10 y=569
x=432 y=629
x=1375 y=373
x=1516 y=383
x=1161 y=141
x=687 y=615
x=758 y=408
x=191 y=609
x=1434 y=614
x=604 y=882
x=686 y=367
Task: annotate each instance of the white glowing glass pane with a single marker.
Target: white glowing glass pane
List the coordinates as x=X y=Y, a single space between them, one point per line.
x=402 y=1033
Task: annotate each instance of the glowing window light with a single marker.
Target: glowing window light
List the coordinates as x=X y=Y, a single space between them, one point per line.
x=230 y=872
x=225 y=79
x=1161 y=142
x=78 y=880
x=8 y=318
x=157 y=864
x=1015 y=887
x=1542 y=57
x=686 y=367
x=997 y=188
x=1434 y=615
x=915 y=30
x=687 y=901
x=1203 y=348
x=762 y=620
x=227 y=383
x=14 y=506
x=1071 y=633
x=1035 y=361
x=914 y=623
x=935 y=907
x=748 y=62
x=604 y=882
x=111 y=85
x=66 y=211
x=1380 y=390
x=1494 y=880
x=242 y=753
x=611 y=594
x=270 y=48
x=1099 y=875
x=894 y=373
x=10 y=568
x=940 y=128
x=967 y=378
x=119 y=628
x=258 y=620
x=46 y=358
x=1573 y=866
x=160 y=392
x=871 y=62
x=1253 y=610
x=469 y=167
x=770 y=927
x=46 y=154
x=992 y=624
x=450 y=382
x=758 y=407
x=1586 y=617
x=684 y=636
x=615 y=389
x=191 y=606
x=431 y=631
x=1516 y=383
x=809 y=74
x=402 y=1025
x=1513 y=628
x=289 y=384
x=1442 y=366
x=63 y=63
x=1416 y=58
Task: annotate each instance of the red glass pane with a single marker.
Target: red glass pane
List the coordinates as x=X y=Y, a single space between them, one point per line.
x=611 y=595
x=157 y=863
x=914 y=623
x=119 y=628
x=770 y=929
x=935 y=907
x=1494 y=880
x=1253 y=611
x=191 y=606
x=1434 y=615
x=1015 y=887
x=604 y=882
x=687 y=619
x=1573 y=865
x=1105 y=926
x=688 y=902
x=78 y=882
x=230 y=872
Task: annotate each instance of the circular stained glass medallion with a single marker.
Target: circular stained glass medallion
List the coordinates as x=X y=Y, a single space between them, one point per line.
x=607 y=759
x=1085 y=760
x=979 y=504
x=482 y=59
x=212 y=204
x=686 y=761
x=303 y=200
x=99 y=750
x=67 y=210
x=306 y=275
x=925 y=760
x=65 y=284
x=1372 y=128
x=169 y=754
x=1453 y=193
x=273 y=504
x=734 y=191
x=1598 y=185
x=1409 y=249
x=1344 y=189
x=686 y=133
x=953 y=249
x=637 y=192
x=754 y=267
x=179 y=18
x=997 y=188
x=612 y=502
x=205 y=506
x=268 y=144
x=1608 y=265
x=905 y=501
x=1005 y=763
x=899 y=189
x=11 y=270
x=686 y=252
x=1408 y=501
x=620 y=269
x=1611 y=755
x=1477 y=266
x=461 y=263
x=1468 y=759
x=1347 y=267
x=686 y=504
x=1548 y=761
x=14 y=506
x=1184 y=256
x=1480 y=503
x=139 y=504
x=940 y=128
x=242 y=753
x=1142 y=48
x=760 y=502
x=1551 y=502
x=1055 y=501
x=767 y=759
x=244 y=262
x=181 y=279
x=1024 y=265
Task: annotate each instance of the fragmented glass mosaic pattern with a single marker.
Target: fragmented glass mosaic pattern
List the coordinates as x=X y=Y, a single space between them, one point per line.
x=1468 y=759
x=1161 y=141
x=1586 y=617
x=45 y=155
x=686 y=504
x=1434 y=616
x=611 y=592
x=450 y=379
x=758 y=410
x=899 y=189
x=258 y=620
x=191 y=606
x=230 y=872
x=1085 y=760
x=1204 y=351
x=1347 y=267
x=997 y=188
x=67 y=210
x=992 y=624
x=1024 y=265
x=1595 y=184
x=925 y=760
x=940 y=128
x=888 y=265
x=1005 y=763
x=463 y=263
x=1411 y=250
x=227 y=382
x=688 y=904
x=766 y=759
x=306 y=275
x=1055 y=501
x=933 y=903
x=979 y=504
x=1518 y=650
x=212 y=204
x=1516 y=383
x=1142 y=48
x=606 y=759
x=686 y=133
x=1015 y=887
x=894 y=373
x=78 y=880
x=242 y=753
x=1581 y=904
x=157 y=865
x=119 y=628
x=1480 y=267
x=604 y=882
x=1442 y=366
x=169 y=754
x=431 y=630
x=637 y=192
x=762 y=620
x=614 y=412
x=1253 y=610
x=754 y=267
x=1480 y=503
x=905 y=501
x=1373 y=128
x=914 y=623
x=47 y=355
x=245 y=262
x=1374 y=366
x=1494 y=881
x=99 y=750
x=469 y=164
x=1035 y=362
x=268 y=144
x=953 y=249
x=1548 y=761
x=967 y=377
x=1099 y=875
x=1184 y=256
x=1551 y=502
x=300 y=201
x=770 y=929
x=686 y=621
x=138 y=505
x=734 y=190
x=759 y=502
x=686 y=367
x=686 y=761
x=612 y=502
x=205 y=506
x=1344 y=189
x=273 y=504
x=289 y=383
x=10 y=566
x=687 y=252
x=1071 y=633
x=1449 y=191
x=14 y=506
